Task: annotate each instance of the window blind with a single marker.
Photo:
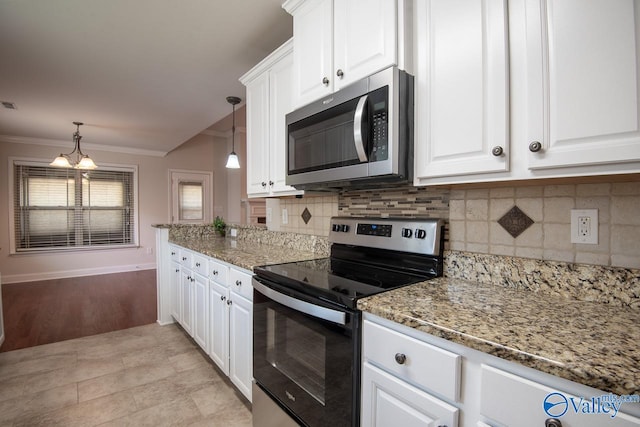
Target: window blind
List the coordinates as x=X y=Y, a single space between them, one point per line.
x=57 y=208
x=190 y=201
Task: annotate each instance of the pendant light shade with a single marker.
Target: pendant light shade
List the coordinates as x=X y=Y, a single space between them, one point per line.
x=82 y=161
x=232 y=161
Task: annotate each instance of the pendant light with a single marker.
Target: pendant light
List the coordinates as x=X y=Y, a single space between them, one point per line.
x=232 y=160
x=81 y=161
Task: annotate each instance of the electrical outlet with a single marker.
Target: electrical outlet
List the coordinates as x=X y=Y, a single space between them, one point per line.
x=584 y=226
x=285 y=216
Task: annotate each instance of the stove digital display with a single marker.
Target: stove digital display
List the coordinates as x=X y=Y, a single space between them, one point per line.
x=383 y=230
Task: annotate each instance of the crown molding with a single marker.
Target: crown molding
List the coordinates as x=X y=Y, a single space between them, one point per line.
x=225 y=134
x=86 y=146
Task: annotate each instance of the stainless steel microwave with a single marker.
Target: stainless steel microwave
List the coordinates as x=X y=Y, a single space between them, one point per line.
x=359 y=135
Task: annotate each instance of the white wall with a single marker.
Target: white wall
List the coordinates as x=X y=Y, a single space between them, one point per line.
x=153 y=208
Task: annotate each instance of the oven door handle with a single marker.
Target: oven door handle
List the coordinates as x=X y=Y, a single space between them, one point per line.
x=324 y=313
x=357 y=129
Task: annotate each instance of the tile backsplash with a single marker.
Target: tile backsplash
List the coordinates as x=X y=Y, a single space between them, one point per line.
x=472 y=216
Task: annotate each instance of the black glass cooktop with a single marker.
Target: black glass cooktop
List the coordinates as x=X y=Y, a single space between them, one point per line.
x=336 y=280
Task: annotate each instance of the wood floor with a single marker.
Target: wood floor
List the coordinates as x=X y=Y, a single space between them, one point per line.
x=50 y=311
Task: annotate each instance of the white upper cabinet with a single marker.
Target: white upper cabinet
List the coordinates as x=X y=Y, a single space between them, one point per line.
x=338 y=42
x=462 y=86
x=268 y=101
x=582 y=69
x=550 y=85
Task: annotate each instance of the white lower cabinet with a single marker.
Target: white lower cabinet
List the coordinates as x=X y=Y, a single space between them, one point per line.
x=219 y=326
x=405 y=380
x=230 y=324
x=408 y=376
x=389 y=401
x=507 y=399
x=186 y=302
x=212 y=301
x=200 y=310
x=241 y=343
x=174 y=279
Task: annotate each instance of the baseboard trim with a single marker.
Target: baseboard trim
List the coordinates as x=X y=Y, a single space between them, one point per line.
x=32 y=277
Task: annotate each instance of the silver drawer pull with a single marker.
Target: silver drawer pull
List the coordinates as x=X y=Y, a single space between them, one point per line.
x=238 y=283
x=401 y=358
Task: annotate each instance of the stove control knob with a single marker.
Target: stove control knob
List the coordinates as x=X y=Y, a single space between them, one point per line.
x=344 y=228
x=407 y=232
x=335 y=227
x=420 y=233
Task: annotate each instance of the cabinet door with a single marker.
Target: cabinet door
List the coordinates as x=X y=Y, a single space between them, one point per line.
x=258 y=136
x=241 y=343
x=313 y=51
x=200 y=310
x=281 y=103
x=389 y=401
x=219 y=326
x=175 y=291
x=582 y=69
x=186 y=300
x=365 y=39
x=462 y=108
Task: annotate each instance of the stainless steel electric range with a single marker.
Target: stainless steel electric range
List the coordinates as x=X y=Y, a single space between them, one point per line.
x=306 y=327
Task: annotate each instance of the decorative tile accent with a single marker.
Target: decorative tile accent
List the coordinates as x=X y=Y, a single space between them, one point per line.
x=306 y=215
x=515 y=221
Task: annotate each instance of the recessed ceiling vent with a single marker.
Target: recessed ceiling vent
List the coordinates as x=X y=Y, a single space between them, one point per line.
x=9 y=105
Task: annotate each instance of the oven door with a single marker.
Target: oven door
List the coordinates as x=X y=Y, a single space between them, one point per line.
x=306 y=356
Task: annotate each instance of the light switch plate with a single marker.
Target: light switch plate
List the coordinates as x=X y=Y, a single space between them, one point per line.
x=584 y=226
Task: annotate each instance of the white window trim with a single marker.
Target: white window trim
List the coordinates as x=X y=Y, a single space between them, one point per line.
x=207 y=203
x=43 y=162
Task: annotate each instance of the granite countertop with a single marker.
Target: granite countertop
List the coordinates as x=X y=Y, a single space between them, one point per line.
x=590 y=343
x=244 y=254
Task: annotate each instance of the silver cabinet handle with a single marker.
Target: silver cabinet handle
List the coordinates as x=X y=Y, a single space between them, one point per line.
x=197 y=264
x=552 y=422
x=535 y=146
x=357 y=129
x=401 y=358
x=238 y=283
x=264 y=184
x=325 y=81
x=215 y=272
x=222 y=297
x=270 y=183
x=184 y=258
x=334 y=316
x=229 y=302
x=497 y=151
x=340 y=73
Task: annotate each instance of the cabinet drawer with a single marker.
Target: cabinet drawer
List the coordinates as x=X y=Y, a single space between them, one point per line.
x=186 y=258
x=218 y=272
x=174 y=252
x=200 y=264
x=240 y=283
x=513 y=400
x=422 y=364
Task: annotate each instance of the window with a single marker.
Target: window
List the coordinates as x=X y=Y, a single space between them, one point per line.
x=190 y=201
x=55 y=208
x=190 y=196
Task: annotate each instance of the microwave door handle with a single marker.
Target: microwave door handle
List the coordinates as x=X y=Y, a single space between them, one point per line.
x=357 y=129
x=324 y=313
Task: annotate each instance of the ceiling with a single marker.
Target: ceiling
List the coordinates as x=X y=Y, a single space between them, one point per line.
x=144 y=76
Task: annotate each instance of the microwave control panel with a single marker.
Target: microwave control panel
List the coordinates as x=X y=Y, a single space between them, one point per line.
x=379 y=124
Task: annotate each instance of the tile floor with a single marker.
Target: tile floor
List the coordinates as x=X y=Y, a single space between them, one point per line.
x=145 y=376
